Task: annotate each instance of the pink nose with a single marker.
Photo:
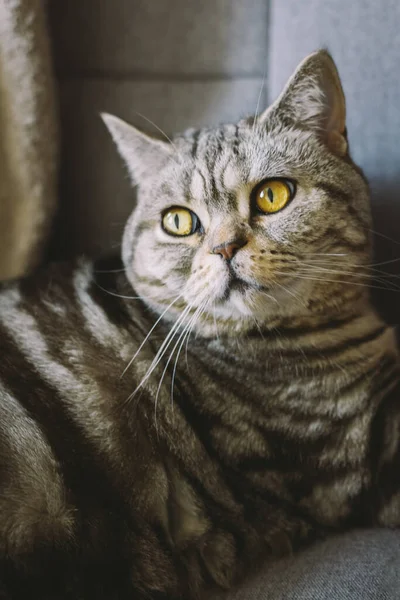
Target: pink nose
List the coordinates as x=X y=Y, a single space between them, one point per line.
x=229 y=249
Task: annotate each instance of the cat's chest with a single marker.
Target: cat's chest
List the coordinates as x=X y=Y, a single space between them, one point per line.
x=295 y=433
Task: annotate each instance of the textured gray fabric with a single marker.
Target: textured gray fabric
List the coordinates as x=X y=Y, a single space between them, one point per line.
x=364 y=38
x=363 y=565
x=219 y=37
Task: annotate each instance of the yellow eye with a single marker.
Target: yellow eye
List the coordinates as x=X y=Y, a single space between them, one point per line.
x=273 y=195
x=180 y=221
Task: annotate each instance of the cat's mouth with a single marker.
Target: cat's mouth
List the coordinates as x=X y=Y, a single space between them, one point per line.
x=237 y=284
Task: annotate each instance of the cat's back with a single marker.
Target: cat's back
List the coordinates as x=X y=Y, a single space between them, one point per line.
x=63 y=345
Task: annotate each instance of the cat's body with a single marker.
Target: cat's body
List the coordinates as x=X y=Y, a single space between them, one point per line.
x=260 y=444
x=269 y=417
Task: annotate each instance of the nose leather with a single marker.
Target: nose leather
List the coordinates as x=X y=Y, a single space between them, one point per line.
x=229 y=249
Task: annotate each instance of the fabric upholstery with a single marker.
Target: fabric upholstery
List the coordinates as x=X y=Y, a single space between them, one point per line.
x=363 y=565
x=28 y=135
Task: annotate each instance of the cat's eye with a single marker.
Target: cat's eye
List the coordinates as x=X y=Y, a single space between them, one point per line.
x=180 y=221
x=273 y=195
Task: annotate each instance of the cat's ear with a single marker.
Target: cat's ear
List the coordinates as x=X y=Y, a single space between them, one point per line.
x=313 y=98
x=142 y=153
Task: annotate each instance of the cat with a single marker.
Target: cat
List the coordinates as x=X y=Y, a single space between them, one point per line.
x=228 y=394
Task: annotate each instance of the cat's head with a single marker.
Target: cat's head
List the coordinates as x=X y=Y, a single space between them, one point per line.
x=254 y=224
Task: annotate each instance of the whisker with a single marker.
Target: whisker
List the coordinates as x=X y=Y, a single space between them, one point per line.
x=160 y=130
x=269 y=295
x=259 y=97
x=320 y=269
x=295 y=296
x=164 y=373
x=326 y=254
x=149 y=334
x=180 y=340
x=118 y=295
x=109 y=270
x=382 y=235
x=295 y=275
x=385 y=262
x=258 y=327
x=370 y=268
x=162 y=350
x=371 y=265
x=215 y=323
x=186 y=336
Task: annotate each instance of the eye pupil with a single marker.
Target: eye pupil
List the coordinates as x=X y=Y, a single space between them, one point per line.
x=180 y=221
x=273 y=195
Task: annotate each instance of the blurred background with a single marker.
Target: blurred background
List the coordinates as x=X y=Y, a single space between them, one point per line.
x=183 y=63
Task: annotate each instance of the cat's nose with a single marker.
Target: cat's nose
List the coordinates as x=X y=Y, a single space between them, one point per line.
x=229 y=249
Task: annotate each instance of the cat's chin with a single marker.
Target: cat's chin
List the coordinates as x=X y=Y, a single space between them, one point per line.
x=244 y=308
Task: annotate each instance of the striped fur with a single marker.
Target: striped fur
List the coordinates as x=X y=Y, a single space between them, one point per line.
x=162 y=432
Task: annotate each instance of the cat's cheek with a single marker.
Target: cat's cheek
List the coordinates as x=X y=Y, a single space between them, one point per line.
x=254 y=268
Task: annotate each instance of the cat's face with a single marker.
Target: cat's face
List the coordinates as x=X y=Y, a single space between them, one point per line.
x=250 y=224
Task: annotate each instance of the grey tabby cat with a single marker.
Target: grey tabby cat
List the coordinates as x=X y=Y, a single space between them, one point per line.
x=242 y=401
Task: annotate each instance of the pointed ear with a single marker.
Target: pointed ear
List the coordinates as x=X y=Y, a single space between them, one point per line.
x=142 y=154
x=313 y=98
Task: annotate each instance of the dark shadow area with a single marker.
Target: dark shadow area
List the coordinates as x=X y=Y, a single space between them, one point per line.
x=386 y=215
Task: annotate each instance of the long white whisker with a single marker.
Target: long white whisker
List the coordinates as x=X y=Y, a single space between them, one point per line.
x=295 y=275
x=259 y=97
x=118 y=295
x=163 y=375
x=149 y=334
x=258 y=327
x=385 y=262
x=326 y=254
x=382 y=235
x=215 y=325
x=164 y=346
x=205 y=307
x=182 y=335
x=291 y=293
x=187 y=332
x=160 y=130
x=270 y=297
x=371 y=270
x=320 y=270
